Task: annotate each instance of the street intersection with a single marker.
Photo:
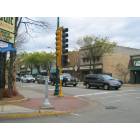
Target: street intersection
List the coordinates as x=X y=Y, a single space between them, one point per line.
x=104 y=106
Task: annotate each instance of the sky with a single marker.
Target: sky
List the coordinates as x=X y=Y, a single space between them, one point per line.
x=124 y=31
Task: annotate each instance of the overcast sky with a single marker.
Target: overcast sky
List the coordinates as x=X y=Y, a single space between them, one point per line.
x=124 y=31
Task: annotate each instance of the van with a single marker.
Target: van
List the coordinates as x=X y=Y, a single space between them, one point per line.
x=101 y=81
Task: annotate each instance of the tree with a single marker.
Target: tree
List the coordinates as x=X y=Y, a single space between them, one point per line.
x=37 y=60
x=47 y=61
x=74 y=58
x=27 y=24
x=96 y=47
x=122 y=71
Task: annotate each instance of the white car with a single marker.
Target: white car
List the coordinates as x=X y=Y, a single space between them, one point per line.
x=27 y=79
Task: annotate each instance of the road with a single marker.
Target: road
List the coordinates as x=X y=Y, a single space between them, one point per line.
x=106 y=106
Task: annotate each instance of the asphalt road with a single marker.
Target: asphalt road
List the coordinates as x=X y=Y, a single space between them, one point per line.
x=106 y=106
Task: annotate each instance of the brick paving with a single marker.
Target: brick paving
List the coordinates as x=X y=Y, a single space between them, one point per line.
x=66 y=103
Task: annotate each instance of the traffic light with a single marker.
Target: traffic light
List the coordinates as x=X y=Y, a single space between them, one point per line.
x=64 y=47
x=58 y=46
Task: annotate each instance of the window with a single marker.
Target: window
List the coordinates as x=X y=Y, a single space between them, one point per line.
x=85 y=59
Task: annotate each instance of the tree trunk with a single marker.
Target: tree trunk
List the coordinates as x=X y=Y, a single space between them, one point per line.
x=38 y=69
x=31 y=68
x=10 y=74
x=93 y=66
x=90 y=65
x=2 y=73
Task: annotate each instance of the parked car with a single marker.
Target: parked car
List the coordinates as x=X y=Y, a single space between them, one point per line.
x=27 y=78
x=40 y=79
x=18 y=78
x=101 y=81
x=67 y=79
x=120 y=81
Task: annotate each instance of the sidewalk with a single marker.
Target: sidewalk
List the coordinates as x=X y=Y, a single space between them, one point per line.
x=131 y=85
x=27 y=108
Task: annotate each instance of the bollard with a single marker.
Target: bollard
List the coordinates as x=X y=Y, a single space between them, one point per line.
x=46 y=103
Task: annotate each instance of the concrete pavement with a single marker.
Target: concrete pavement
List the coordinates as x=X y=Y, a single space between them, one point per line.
x=31 y=107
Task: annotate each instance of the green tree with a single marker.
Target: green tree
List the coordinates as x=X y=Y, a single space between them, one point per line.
x=96 y=47
x=37 y=60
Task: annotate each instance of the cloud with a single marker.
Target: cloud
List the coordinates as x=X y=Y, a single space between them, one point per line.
x=125 y=31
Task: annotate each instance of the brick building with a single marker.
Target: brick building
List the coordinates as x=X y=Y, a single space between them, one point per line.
x=115 y=64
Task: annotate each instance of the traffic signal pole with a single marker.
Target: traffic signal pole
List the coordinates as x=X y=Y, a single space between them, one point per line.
x=58 y=82
x=61 y=56
x=60 y=68
x=56 y=91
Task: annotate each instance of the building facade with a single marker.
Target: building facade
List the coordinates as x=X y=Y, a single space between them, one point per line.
x=115 y=64
x=134 y=68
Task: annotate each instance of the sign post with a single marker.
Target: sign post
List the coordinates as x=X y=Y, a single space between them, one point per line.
x=46 y=103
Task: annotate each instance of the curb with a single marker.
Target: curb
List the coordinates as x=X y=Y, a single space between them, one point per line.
x=129 y=85
x=32 y=114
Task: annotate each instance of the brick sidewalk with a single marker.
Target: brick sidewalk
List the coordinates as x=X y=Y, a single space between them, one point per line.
x=66 y=103
x=31 y=107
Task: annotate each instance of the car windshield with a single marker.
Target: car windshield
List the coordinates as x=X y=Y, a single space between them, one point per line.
x=107 y=77
x=29 y=76
x=67 y=75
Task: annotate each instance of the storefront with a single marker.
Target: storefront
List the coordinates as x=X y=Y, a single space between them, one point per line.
x=5 y=48
x=134 y=68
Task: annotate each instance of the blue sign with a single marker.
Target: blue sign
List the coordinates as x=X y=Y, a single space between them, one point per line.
x=6 y=47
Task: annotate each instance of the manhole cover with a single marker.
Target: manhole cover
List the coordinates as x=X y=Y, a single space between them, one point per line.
x=110 y=107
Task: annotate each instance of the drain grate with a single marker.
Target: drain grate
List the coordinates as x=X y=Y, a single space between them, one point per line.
x=110 y=107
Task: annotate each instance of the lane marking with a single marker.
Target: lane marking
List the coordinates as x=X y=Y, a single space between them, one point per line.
x=90 y=94
x=101 y=93
x=74 y=114
x=51 y=89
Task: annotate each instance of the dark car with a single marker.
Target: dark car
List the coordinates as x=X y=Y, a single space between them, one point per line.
x=18 y=78
x=67 y=79
x=101 y=81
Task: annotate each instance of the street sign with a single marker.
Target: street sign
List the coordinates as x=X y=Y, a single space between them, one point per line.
x=7 y=24
x=6 y=36
x=3 y=44
x=7 y=29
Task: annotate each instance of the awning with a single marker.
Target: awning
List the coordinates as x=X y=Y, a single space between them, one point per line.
x=7 y=48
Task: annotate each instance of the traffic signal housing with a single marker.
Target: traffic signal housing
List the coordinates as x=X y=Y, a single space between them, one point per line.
x=58 y=46
x=64 y=47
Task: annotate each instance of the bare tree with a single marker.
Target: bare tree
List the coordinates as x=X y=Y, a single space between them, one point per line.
x=74 y=58
x=27 y=25
x=122 y=71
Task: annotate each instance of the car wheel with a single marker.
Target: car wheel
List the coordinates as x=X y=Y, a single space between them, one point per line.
x=116 y=88
x=74 y=85
x=65 y=84
x=106 y=87
x=87 y=85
